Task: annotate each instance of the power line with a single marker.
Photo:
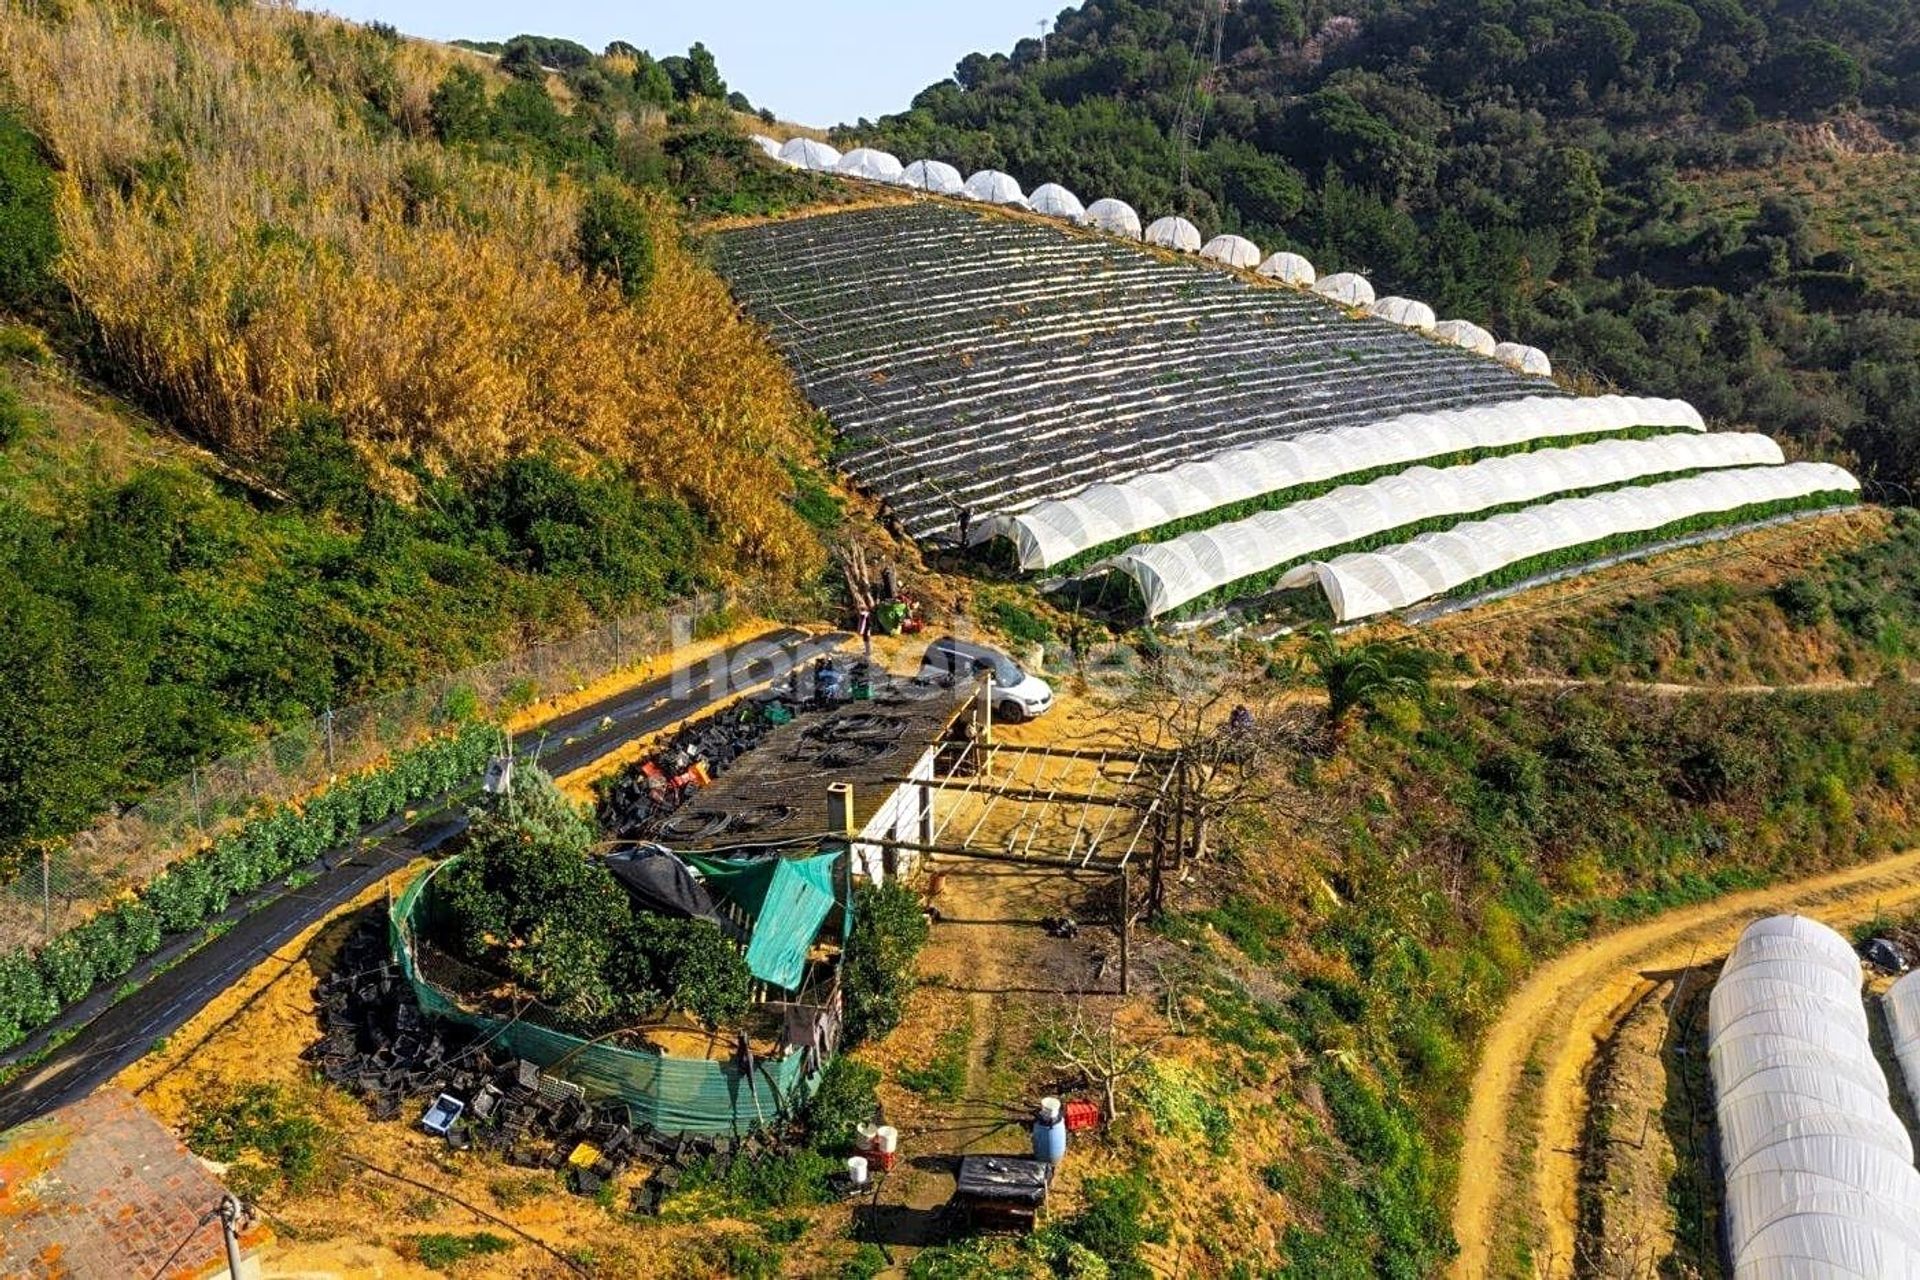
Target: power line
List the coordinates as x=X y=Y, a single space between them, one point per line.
x=167 y=1266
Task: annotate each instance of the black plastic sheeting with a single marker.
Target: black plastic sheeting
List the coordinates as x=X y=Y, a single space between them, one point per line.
x=662 y=883
x=1013 y=1178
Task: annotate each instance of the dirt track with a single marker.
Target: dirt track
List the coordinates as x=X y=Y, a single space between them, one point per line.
x=1559 y=1017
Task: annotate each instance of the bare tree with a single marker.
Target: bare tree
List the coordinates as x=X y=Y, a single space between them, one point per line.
x=1103 y=1053
x=1209 y=718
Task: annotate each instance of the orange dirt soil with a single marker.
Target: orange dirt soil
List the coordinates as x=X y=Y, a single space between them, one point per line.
x=1551 y=1030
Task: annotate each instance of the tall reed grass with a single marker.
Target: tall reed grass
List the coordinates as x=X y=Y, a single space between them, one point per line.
x=255 y=216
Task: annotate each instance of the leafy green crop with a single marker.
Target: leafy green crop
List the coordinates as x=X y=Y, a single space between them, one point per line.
x=35 y=987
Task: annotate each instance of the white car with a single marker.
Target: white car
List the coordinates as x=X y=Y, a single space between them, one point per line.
x=1017 y=695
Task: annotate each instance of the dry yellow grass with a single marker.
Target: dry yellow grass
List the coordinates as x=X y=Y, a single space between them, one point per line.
x=246 y=245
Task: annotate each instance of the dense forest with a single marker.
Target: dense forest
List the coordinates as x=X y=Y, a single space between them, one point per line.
x=1545 y=167
x=413 y=365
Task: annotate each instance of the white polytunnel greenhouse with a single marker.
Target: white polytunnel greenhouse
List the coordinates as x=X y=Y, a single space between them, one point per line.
x=1818 y=1169
x=1056 y=201
x=1362 y=584
x=872 y=165
x=1288 y=268
x=1115 y=217
x=1466 y=335
x=1902 y=1004
x=1525 y=359
x=769 y=145
x=1346 y=287
x=1049 y=532
x=806 y=153
x=936 y=176
x=1169 y=574
x=1403 y=311
x=1174 y=233
x=990 y=186
x=1235 y=251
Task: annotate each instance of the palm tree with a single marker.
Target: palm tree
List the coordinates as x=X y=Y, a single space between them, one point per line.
x=1366 y=673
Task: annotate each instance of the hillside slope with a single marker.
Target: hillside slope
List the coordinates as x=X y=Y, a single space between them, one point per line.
x=415 y=367
x=1517 y=164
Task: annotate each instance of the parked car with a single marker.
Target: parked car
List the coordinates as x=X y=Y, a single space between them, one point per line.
x=1017 y=695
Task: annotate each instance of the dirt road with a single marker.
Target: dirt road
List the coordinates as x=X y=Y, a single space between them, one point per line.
x=1519 y=1180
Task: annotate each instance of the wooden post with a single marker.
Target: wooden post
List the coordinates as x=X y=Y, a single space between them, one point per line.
x=1126 y=934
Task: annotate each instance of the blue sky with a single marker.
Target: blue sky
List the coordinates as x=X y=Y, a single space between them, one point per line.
x=822 y=63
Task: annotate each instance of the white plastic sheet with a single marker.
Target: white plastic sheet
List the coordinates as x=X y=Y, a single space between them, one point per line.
x=1405 y=312
x=1363 y=584
x=1056 y=201
x=1902 y=1005
x=936 y=176
x=1055 y=530
x=870 y=164
x=1115 y=217
x=1466 y=335
x=1523 y=359
x=1174 y=233
x=1289 y=268
x=1235 y=251
x=990 y=186
x=766 y=144
x=1169 y=574
x=1346 y=287
x=807 y=153
x=1818 y=1169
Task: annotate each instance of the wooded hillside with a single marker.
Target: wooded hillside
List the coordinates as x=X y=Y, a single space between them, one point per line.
x=1535 y=165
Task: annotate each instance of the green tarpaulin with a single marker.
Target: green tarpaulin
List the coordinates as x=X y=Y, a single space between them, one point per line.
x=788 y=900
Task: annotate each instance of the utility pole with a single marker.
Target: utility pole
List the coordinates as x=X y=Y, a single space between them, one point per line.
x=1043 y=39
x=230 y=1233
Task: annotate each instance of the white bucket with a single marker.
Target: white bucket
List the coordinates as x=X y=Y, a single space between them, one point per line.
x=857 y=1170
x=886 y=1139
x=1049 y=1109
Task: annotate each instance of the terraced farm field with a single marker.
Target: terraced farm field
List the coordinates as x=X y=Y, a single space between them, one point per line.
x=1183 y=438
x=977 y=361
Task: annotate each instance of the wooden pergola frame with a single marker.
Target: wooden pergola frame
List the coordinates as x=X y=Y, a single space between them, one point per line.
x=1141 y=816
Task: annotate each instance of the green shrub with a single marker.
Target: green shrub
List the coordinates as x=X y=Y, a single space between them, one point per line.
x=29 y=235
x=616 y=239
x=22 y=342
x=1018 y=623
x=442 y=1250
x=268 y=1128
x=844 y=1100
x=778 y=1180
x=25 y=1001
x=889 y=928
x=15 y=417
x=528 y=897
x=1112 y=1226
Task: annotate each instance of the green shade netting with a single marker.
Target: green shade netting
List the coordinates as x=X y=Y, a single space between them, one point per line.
x=673 y=1095
x=788 y=900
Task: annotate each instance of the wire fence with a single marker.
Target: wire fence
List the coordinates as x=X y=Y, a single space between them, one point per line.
x=130 y=847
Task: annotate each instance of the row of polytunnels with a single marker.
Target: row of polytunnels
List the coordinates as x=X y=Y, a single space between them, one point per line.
x=1118 y=218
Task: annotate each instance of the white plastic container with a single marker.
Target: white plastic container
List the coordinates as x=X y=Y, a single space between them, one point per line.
x=886 y=1139
x=857 y=1170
